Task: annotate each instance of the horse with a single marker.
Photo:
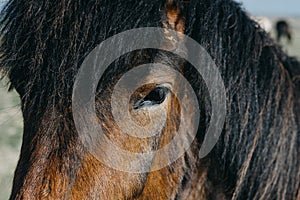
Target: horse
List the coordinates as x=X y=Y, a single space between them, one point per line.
x=283 y=30
x=44 y=43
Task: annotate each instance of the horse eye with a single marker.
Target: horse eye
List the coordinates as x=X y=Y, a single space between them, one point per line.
x=155 y=97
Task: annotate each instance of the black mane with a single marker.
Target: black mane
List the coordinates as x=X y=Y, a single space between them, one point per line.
x=257 y=157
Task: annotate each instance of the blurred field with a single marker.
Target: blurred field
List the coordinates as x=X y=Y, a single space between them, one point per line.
x=11 y=121
x=294 y=48
x=10 y=137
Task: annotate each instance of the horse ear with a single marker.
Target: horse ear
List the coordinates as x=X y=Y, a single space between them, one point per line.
x=175 y=17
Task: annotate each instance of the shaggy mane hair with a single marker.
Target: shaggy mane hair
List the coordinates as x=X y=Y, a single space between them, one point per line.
x=257 y=156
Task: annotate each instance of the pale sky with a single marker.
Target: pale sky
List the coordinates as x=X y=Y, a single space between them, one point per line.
x=272 y=7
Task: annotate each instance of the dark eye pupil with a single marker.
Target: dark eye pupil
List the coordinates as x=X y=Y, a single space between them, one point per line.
x=157 y=95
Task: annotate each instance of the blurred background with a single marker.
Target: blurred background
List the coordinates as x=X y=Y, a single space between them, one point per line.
x=266 y=12
x=269 y=12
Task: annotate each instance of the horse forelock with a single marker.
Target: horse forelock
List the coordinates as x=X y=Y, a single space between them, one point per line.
x=258 y=153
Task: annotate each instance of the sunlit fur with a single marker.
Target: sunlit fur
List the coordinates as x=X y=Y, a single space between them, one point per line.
x=257 y=156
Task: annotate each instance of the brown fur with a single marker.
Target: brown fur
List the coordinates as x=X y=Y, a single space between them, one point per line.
x=257 y=156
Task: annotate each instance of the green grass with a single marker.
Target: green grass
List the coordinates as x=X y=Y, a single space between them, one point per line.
x=11 y=122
